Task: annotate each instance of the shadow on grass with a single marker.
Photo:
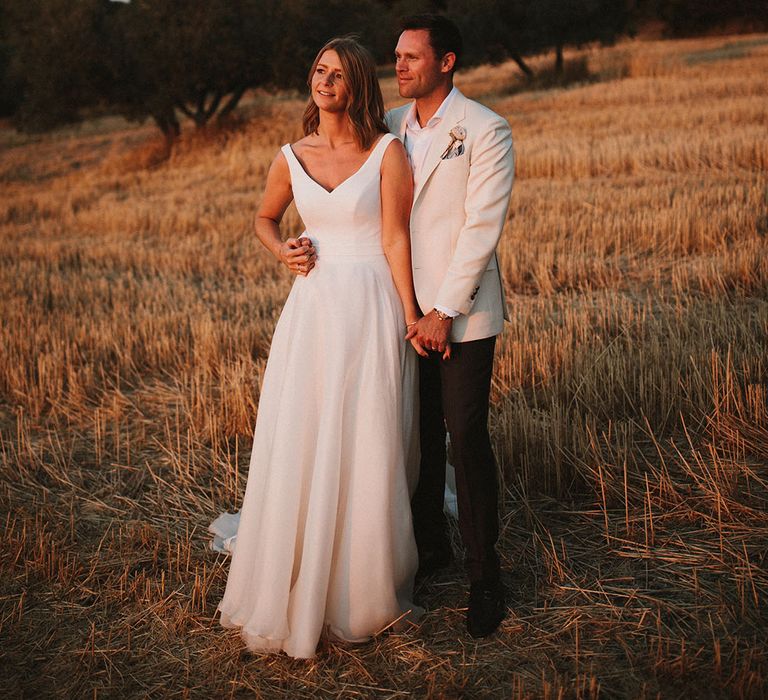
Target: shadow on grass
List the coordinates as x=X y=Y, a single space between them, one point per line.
x=726 y=52
x=575 y=73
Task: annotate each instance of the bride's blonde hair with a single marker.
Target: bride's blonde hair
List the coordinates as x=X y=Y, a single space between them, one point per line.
x=366 y=105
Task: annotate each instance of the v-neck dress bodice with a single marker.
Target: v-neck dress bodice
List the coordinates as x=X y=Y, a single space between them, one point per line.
x=324 y=539
x=347 y=219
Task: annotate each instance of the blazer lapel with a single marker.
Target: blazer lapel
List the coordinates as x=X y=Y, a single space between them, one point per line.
x=440 y=140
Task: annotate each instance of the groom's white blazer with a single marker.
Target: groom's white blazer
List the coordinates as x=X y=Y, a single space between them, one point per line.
x=459 y=209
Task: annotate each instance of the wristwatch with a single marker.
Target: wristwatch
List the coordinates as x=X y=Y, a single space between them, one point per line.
x=441 y=315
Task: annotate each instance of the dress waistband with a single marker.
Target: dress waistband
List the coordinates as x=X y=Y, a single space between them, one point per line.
x=326 y=250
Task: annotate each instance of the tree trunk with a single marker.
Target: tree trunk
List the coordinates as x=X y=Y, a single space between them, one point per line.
x=168 y=124
x=196 y=114
x=517 y=58
x=200 y=113
x=559 y=64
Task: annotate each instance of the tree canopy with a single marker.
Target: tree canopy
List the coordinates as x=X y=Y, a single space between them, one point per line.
x=166 y=59
x=161 y=58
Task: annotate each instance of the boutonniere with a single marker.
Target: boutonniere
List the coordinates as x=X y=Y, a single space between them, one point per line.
x=456 y=146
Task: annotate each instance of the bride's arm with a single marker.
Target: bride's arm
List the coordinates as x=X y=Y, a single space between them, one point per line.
x=396 y=199
x=298 y=255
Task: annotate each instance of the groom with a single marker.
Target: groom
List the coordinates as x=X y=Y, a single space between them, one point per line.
x=462 y=158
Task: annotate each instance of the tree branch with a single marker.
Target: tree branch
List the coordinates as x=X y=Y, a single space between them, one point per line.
x=232 y=102
x=517 y=58
x=213 y=106
x=186 y=110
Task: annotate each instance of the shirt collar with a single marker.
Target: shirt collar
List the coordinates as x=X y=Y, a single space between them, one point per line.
x=413 y=124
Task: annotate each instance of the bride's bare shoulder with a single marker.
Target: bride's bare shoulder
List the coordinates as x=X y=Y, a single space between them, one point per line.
x=308 y=143
x=279 y=172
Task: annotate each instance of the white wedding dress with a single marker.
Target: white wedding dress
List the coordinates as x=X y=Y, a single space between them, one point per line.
x=323 y=541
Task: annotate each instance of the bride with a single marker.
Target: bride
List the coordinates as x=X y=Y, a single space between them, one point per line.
x=324 y=542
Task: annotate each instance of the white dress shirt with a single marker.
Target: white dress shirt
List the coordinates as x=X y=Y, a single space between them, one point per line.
x=417 y=142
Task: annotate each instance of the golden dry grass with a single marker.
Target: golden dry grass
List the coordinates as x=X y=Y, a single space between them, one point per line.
x=629 y=410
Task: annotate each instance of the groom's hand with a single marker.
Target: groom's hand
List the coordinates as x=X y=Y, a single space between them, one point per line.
x=432 y=333
x=298 y=255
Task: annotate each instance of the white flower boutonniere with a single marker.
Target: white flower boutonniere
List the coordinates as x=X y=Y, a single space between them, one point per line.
x=456 y=146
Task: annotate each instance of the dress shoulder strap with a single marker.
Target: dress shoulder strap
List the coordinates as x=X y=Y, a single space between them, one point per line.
x=288 y=153
x=294 y=167
x=384 y=141
x=377 y=154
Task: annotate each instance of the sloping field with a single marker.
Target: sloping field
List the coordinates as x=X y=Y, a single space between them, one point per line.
x=630 y=410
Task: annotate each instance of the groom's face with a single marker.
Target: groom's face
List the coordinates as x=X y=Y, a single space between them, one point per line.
x=419 y=70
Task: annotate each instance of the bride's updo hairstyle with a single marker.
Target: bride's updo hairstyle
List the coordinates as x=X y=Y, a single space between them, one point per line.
x=366 y=105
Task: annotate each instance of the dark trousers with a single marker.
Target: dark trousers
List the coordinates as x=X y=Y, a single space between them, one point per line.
x=455 y=393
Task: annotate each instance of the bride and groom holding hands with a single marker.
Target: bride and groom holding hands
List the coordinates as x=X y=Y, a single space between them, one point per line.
x=386 y=338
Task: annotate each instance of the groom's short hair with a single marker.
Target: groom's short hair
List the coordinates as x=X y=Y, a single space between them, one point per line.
x=444 y=35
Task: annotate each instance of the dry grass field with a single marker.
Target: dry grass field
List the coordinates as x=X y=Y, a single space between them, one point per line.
x=629 y=416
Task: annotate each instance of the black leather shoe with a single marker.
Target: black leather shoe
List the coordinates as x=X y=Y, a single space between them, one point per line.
x=486 y=610
x=432 y=562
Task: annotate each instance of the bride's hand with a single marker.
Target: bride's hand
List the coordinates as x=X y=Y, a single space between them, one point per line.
x=411 y=335
x=298 y=255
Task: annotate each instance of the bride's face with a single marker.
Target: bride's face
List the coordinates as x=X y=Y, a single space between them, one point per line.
x=329 y=89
